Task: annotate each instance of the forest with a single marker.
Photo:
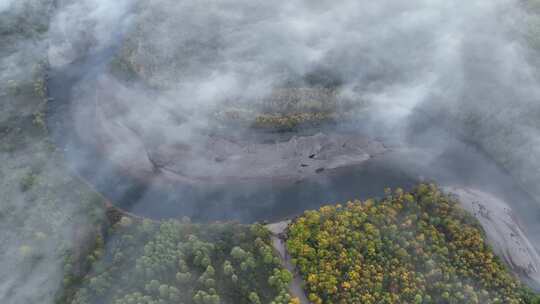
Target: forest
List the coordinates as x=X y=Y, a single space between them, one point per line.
x=177 y=262
x=409 y=247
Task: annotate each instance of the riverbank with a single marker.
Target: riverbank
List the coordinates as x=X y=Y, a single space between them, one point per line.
x=503 y=231
x=182 y=150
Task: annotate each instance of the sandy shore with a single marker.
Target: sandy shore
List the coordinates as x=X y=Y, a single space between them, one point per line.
x=174 y=148
x=503 y=230
x=218 y=158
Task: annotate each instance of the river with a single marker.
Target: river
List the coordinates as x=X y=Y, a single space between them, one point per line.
x=428 y=155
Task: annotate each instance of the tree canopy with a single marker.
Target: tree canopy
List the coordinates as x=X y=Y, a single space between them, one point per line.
x=417 y=247
x=174 y=262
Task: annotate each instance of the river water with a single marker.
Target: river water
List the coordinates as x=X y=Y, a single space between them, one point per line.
x=427 y=155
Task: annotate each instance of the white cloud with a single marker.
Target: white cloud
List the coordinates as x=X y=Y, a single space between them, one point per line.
x=5 y=5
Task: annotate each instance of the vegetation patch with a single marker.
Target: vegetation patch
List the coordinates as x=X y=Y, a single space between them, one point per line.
x=290 y=122
x=28 y=181
x=180 y=262
x=417 y=247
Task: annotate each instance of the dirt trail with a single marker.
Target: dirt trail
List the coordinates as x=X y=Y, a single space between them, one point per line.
x=296 y=286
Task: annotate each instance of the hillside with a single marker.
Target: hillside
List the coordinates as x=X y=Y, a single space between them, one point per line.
x=179 y=262
x=417 y=247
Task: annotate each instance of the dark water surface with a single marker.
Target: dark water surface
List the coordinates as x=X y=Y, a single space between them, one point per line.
x=453 y=162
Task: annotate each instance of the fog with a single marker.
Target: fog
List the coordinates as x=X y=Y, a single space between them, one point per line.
x=399 y=58
x=467 y=67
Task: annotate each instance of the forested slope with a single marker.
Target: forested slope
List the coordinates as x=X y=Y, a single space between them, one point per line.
x=179 y=262
x=417 y=247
